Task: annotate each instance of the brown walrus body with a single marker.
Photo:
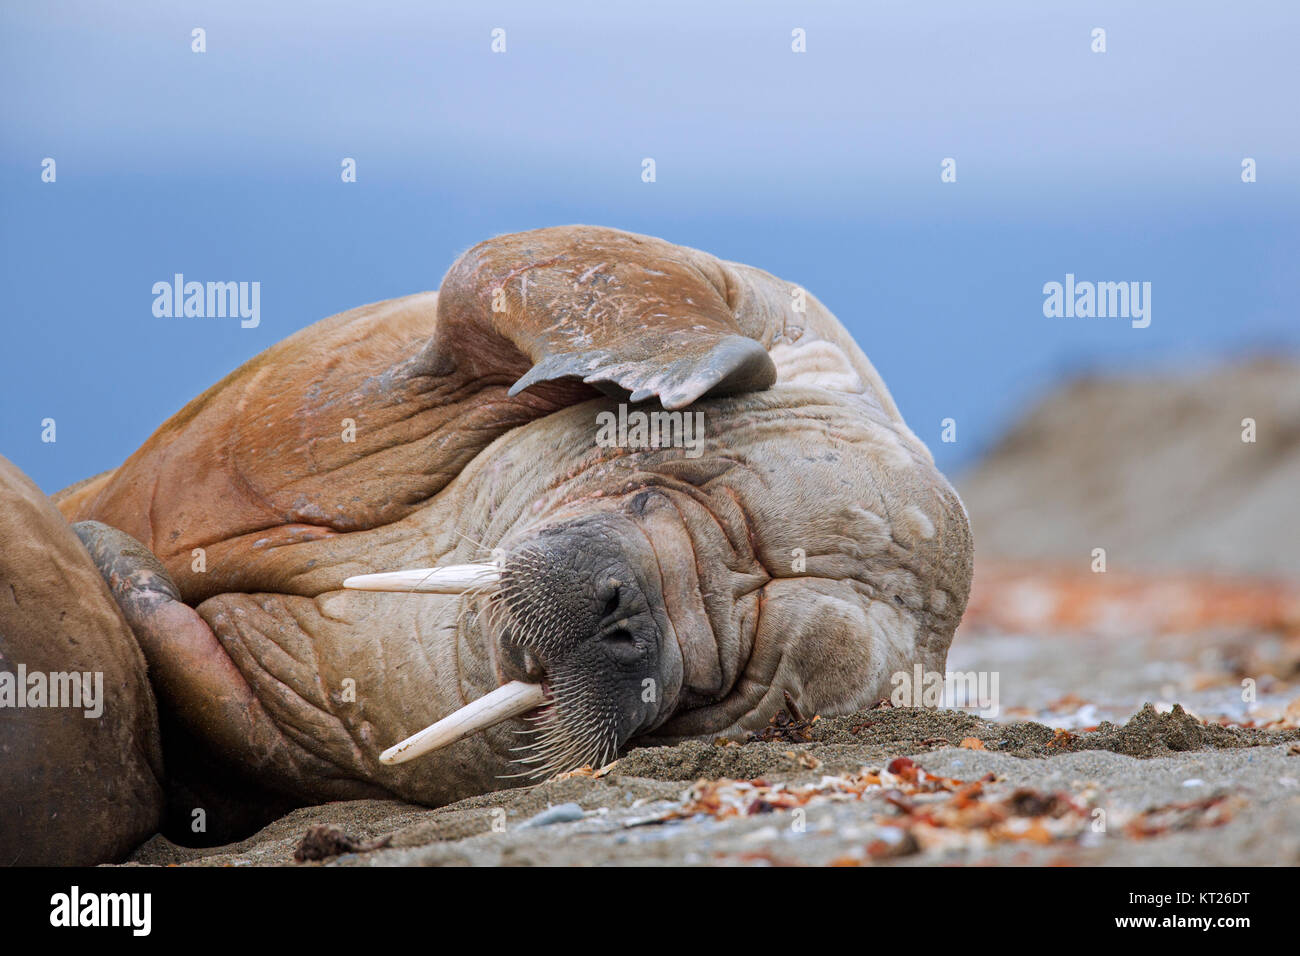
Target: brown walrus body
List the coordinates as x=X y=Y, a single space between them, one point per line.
x=803 y=544
x=81 y=773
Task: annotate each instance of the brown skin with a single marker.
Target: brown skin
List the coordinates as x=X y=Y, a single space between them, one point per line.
x=75 y=790
x=265 y=661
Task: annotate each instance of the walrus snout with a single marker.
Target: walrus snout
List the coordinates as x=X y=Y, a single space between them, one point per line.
x=575 y=616
x=579 y=640
x=562 y=590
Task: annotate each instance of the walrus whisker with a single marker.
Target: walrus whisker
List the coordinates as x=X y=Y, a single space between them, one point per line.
x=471 y=603
x=575 y=730
x=469 y=606
x=478 y=544
x=557 y=748
x=508 y=700
x=450 y=579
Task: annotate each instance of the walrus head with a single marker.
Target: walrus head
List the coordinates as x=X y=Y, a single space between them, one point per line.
x=654 y=597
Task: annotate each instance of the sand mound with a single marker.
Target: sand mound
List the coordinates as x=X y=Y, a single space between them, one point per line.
x=1154 y=470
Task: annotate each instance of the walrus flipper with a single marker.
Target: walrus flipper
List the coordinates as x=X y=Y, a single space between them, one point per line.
x=628 y=314
x=193 y=674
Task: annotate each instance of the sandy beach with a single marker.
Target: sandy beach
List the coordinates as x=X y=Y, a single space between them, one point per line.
x=1150 y=784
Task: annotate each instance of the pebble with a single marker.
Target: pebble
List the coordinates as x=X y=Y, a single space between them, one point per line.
x=563 y=813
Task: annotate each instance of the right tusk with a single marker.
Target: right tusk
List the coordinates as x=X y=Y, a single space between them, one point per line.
x=508 y=700
x=450 y=579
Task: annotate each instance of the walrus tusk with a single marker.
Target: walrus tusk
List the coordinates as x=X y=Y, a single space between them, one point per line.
x=452 y=579
x=508 y=700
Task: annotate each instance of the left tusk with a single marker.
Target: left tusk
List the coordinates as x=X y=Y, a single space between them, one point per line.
x=451 y=579
x=508 y=700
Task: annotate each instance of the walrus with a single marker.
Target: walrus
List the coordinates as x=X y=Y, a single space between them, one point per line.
x=391 y=557
x=83 y=783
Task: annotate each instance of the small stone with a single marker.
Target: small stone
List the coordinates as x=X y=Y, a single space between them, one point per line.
x=563 y=813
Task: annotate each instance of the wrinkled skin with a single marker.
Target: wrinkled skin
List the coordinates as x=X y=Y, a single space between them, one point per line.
x=656 y=595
